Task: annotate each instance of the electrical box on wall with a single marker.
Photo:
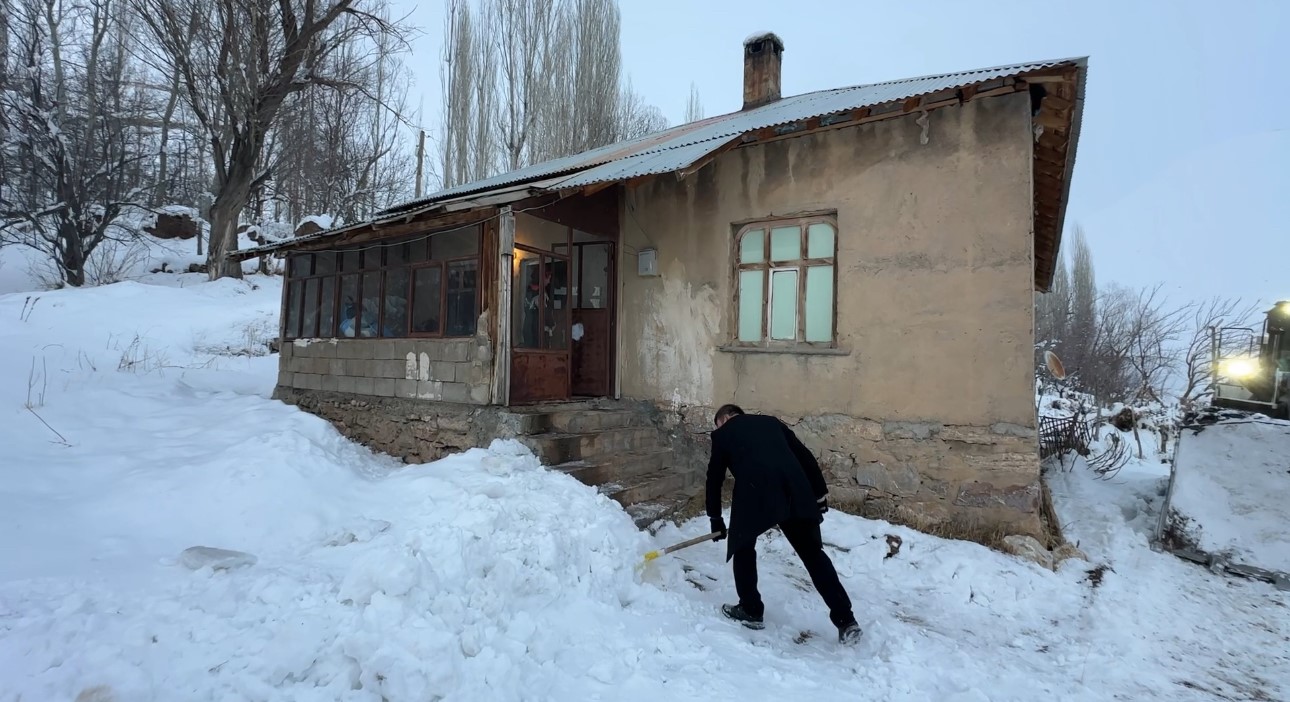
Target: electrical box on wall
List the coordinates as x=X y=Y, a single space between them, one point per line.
x=647 y=263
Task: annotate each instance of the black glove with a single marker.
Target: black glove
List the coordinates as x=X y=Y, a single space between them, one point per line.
x=823 y=503
x=718 y=524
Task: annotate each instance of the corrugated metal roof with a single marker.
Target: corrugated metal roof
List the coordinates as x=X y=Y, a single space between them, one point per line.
x=648 y=163
x=649 y=155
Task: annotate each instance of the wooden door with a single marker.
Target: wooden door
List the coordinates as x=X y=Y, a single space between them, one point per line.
x=540 y=324
x=593 y=332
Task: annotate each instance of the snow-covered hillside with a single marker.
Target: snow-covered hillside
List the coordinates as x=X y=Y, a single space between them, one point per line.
x=137 y=424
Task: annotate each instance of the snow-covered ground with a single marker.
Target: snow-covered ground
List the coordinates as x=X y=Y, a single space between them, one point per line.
x=137 y=424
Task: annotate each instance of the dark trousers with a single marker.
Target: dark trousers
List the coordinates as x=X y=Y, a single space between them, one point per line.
x=805 y=539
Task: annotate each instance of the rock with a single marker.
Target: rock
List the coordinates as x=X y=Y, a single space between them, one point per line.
x=198 y=557
x=837 y=466
x=837 y=429
x=910 y=430
x=894 y=478
x=1066 y=551
x=1029 y=548
x=1123 y=420
x=1024 y=498
x=98 y=693
x=169 y=226
x=308 y=227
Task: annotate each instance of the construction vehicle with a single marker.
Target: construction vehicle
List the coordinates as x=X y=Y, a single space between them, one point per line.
x=1251 y=369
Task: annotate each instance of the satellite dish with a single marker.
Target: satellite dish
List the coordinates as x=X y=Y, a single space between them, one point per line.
x=1055 y=365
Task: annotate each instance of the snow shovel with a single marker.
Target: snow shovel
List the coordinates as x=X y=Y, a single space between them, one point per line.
x=677 y=547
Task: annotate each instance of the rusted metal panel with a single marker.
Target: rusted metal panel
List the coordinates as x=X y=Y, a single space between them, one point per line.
x=591 y=353
x=539 y=376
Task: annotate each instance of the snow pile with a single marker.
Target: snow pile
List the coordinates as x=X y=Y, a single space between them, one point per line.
x=322 y=221
x=1230 y=493
x=325 y=571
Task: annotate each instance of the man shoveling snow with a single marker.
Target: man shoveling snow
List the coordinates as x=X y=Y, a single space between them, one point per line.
x=777 y=483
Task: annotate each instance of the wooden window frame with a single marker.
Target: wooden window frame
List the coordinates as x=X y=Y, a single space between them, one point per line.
x=383 y=268
x=542 y=255
x=768 y=267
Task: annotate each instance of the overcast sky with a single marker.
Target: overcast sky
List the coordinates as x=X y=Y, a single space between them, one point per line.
x=1183 y=170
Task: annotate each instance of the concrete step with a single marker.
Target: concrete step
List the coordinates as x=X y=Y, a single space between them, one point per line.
x=556 y=448
x=594 y=420
x=577 y=419
x=624 y=466
x=650 y=487
x=644 y=514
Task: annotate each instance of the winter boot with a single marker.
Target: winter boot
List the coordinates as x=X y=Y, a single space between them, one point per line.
x=739 y=614
x=849 y=634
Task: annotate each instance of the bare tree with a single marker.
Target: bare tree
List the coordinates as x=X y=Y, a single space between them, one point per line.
x=1084 y=303
x=1153 y=337
x=596 y=72
x=1212 y=314
x=693 y=107
x=524 y=37
x=240 y=60
x=467 y=147
x=344 y=151
x=67 y=133
x=637 y=118
x=550 y=71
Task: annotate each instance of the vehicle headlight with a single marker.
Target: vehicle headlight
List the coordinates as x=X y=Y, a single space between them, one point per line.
x=1239 y=367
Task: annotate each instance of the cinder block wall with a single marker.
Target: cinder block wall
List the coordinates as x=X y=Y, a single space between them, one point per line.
x=443 y=370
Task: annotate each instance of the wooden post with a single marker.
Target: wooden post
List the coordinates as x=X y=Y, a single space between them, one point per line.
x=501 y=390
x=421 y=155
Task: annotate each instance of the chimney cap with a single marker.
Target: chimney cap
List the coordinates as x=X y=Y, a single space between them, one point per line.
x=758 y=37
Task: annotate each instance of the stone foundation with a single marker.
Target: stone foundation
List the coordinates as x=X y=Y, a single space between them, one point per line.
x=976 y=482
x=413 y=430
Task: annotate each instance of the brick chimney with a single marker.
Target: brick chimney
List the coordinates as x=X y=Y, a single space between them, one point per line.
x=763 y=53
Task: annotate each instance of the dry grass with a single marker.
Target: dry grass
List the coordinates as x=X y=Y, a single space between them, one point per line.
x=961 y=528
x=1048 y=517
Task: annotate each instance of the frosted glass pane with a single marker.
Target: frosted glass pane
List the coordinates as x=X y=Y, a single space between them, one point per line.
x=783 y=305
x=819 y=241
x=750 y=299
x=752 y=247
x=819 y=303
x=786 y=243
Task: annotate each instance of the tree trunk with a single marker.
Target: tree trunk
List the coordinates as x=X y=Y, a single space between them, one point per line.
x=160 y=193
x=73 y=254
x=224 y=215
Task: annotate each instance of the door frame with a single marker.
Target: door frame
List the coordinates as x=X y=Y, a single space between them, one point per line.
x=517 y=352
x=611 y=292
x=511 y=291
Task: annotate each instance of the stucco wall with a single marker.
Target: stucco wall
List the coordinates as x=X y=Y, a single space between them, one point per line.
x=929 y=393
x=445 y=370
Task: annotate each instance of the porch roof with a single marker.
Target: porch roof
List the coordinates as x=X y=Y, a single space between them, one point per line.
x=688 y=147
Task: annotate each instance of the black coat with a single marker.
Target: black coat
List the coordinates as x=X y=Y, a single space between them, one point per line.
x=776 y=477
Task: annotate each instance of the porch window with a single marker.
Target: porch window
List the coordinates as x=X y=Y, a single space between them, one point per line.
x=785 y=273
x=423 y=286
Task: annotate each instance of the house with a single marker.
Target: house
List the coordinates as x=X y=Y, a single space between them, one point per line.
x=858 y=261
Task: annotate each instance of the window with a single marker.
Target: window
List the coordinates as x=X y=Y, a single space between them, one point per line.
x=424 y=286
x=784 y=283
